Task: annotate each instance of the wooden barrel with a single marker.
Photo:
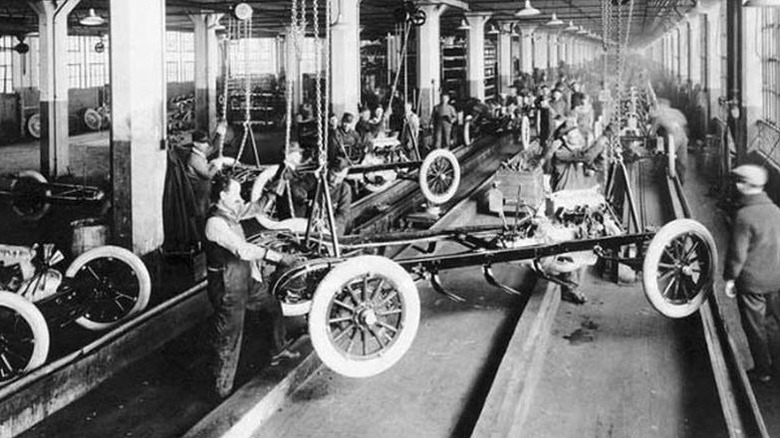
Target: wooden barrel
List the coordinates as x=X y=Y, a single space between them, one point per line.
x=87 y=234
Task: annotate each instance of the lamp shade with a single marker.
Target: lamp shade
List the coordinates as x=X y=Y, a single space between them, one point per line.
x=571 y=27
x=464 y=25
x=527 y=11
x=493 y=30
x=554 y=21
x=92 y=19
x=761 y=4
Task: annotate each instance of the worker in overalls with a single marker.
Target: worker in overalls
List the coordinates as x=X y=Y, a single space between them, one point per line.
x=234 y=283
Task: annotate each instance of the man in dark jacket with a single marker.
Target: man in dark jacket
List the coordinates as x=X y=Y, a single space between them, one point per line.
x=751 y=271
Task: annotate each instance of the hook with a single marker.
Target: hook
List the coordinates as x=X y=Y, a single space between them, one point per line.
x=487 y=271
x=436 y=283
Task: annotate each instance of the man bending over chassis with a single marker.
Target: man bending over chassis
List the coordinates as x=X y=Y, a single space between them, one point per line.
x=235 y=284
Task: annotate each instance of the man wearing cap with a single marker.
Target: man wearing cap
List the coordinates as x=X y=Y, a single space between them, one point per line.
x=751 y=270
x=199 y=170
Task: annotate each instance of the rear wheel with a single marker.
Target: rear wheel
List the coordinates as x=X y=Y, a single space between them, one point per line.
x=24 y=336
x=117 y=282
x=30 y=195
x=679 y=268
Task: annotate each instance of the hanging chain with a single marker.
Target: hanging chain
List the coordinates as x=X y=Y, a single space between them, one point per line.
x=328 y=76
x=318 y=85
x=288 y=83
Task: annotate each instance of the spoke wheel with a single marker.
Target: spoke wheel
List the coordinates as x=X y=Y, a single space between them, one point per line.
x=679 y=268
x=116 y=283
x=364 y=316
x=439 y=176
x=34 y=125
x=525 y=133
x=24 y=336
x=30 y=195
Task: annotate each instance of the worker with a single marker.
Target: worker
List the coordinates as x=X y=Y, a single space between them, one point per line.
x=752 y=259
x=234 y=283
x=410 y=133
x=340 y=193
x=345 y=141
x=444 y=115
x=199 y=170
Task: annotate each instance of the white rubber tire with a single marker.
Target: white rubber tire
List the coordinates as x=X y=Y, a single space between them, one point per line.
x=261 y=181
x=467 y=131
x=525 y=133
x=139 y=269
x=425 y=167
x=34 y=319
x=45 y=206
x=650 y=271
x=319 y=330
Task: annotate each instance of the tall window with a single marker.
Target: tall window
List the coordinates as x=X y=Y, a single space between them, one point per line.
x=6 y=70
x=703 y=51
x=770 y=65
x=179 y=56
x=86 y=67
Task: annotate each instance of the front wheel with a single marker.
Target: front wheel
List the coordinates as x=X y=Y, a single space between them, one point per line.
x=24 y=336
x=364 y=316
x=117 y=283
x=679 y=268
x=439 y=176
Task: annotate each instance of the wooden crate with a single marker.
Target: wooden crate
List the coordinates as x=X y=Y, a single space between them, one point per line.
x=530 y=185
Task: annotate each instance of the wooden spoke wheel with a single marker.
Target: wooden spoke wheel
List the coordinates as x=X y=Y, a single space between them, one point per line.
x=679 y=268
x=24 y=336
x=364 y=316
x=116 y=283
x=34 y=125
x=30 y=195
x=439 y=176
x=92 y=119
x=525 y=133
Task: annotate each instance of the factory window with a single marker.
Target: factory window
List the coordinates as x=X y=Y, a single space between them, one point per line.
x=703 y=50
x=179 y=56
x=255 y=56
x=6 y=71
x=770 y=65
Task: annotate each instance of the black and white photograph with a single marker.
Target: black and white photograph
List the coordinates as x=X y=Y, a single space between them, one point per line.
x=389 y=218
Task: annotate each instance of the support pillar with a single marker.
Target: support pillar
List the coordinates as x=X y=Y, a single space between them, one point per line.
x=476 y=54
x=429 y=59
x=552 y=50
x=345 y=76
x=53 y=84
x=138 y=156
x=526 y=48
x=540 y=50
x=206 y=70
x=751 y=64
x=734 y=66
x=504 y=59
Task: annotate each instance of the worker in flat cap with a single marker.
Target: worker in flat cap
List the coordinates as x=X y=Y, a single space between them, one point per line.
x=751 y=270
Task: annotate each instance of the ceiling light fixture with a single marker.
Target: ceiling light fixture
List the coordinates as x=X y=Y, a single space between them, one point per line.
x=554 y=21
x=464 y=25
x=581 y=31
x=761 y=4
x=527 y=11
x=493 y=30
x=571 y=27
x=92 y=19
